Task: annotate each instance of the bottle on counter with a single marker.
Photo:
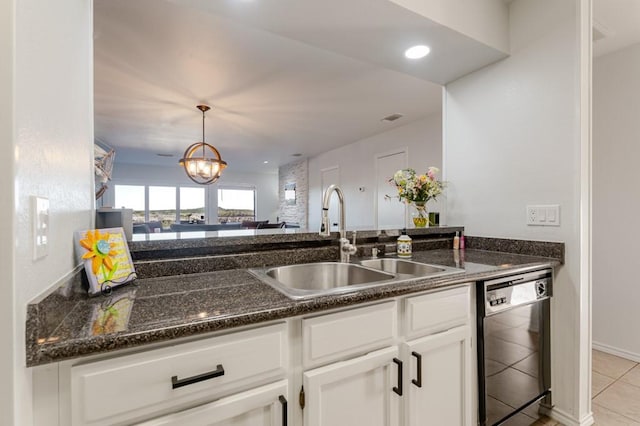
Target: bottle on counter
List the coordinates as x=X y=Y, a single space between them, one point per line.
x=462 y=240
x=456 y=241
x=403 y=248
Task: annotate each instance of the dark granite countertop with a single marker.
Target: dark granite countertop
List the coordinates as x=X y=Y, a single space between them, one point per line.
x=164 y=308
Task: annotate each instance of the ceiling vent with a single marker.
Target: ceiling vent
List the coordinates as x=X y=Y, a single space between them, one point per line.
x=165 y=155
x=392 y=117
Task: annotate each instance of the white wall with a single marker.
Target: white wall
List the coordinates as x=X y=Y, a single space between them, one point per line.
x=616 y=151
x=52 y=156
x=484 y=20
x=422 y=138
x=7 y=302
x=512 y=138
x=266 y=185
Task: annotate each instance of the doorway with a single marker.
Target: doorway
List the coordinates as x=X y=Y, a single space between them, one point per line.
x=390 y=213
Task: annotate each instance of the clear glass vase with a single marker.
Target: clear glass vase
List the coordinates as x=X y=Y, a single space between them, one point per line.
x=420 y=216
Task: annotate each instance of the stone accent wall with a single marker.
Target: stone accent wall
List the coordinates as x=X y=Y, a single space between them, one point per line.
x=298 y=173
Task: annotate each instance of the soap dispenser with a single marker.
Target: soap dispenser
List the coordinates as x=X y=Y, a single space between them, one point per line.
x=404 y=245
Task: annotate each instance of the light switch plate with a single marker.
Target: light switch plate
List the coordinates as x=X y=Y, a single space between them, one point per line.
x=543 y=215
x=40 y=215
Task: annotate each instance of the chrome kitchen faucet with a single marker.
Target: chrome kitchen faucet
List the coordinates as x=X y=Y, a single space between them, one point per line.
x=346 y=248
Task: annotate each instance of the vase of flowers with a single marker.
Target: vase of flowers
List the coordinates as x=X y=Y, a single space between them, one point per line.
x=417 y=190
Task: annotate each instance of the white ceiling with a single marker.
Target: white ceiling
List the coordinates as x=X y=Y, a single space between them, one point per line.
x=617 y=22
x=282 y=77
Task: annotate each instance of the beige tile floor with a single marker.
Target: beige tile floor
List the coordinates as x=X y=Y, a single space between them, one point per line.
x=615 y=389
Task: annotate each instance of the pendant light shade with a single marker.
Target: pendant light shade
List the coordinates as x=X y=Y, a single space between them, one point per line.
x=201 y=161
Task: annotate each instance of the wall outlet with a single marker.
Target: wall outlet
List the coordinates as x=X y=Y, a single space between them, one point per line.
x=543 y=215
x=40 y=215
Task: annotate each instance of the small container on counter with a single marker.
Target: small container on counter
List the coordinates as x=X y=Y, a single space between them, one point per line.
x=456 y=241
x=462 y=241
x=403 y=248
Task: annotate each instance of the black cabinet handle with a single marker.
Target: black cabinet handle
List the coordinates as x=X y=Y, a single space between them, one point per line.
x=178 y=383
x=418 y=381
x=398 y=389
x=283 y=401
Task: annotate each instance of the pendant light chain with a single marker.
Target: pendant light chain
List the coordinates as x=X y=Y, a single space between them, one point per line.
x=203 y=153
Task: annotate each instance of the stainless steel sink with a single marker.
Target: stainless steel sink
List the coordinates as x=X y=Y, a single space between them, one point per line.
x=317 y=279
x=406 y=268
x=314 y=279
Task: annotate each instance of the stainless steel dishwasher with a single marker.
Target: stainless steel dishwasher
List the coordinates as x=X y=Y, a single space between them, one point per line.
x=513 y=346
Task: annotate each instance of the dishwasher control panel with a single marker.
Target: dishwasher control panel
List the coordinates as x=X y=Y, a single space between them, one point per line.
x=509 y=293
x=497 y=299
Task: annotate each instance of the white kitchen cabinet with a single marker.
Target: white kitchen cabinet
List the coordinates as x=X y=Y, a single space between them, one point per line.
x=354 y=392
x=136 y=387
x=346 y=334
x=356 y=366
x=434 y=312
x=380 y=388
x=438 y=385
x=264 y=406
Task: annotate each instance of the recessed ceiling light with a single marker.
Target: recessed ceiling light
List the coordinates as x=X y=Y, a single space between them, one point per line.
x=265 y=162
x=417 y=52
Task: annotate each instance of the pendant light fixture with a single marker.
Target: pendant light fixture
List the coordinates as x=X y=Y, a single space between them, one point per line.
x=201 y=161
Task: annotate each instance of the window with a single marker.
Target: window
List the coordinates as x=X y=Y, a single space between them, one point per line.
x=192 y=204
x=236 y=205
x=131 y=197
x=168 y=204
x=162 y=205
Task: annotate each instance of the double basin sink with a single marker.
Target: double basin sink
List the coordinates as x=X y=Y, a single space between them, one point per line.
x=323 y=278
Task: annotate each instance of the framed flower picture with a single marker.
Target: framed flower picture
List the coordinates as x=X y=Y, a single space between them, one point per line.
x=106 y=258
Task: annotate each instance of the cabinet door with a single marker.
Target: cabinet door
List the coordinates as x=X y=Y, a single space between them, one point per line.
x=263 y=406
x=354 y=392
x=438 y=384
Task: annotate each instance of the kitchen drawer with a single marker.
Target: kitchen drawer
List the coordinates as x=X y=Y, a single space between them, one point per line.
x=132 y=387
x=333 y=337
x=434 y=312
x=265 y=405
